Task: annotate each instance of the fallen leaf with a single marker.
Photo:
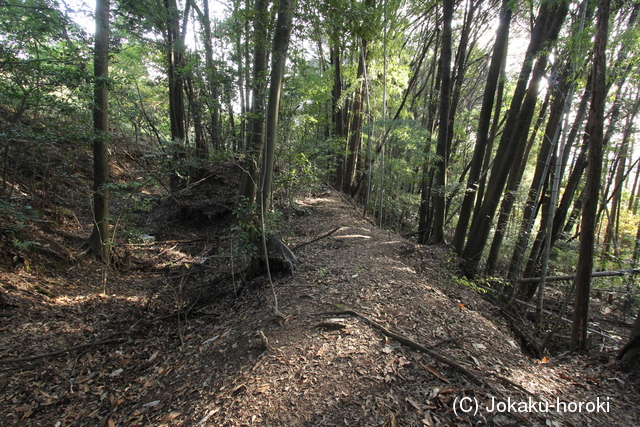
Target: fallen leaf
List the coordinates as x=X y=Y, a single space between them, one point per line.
x=262 y=389
x=437 y=373
x=415 y=404
x=239 y=389
x=565 y=376
x=170 y=417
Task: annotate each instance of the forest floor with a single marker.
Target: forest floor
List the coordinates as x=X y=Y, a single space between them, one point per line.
x=165 y=339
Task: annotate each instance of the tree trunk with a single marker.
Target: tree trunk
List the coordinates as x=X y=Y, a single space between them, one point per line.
x=630 y=354
x=428 y=120
x=99 y=240
x=255 y=134
x=279 y=55
x=592 y=185
x=355 y=129
x=497 y=60
x=545 y=32
x=212 y=78
x=444 y=127
x=175 y=59
x=513 y=183
x=620 y=175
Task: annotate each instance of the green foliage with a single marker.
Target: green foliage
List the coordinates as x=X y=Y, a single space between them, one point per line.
x=15 y=217
x=43 y=59
x=296 y=177
x=246 y=230
x=463 y=281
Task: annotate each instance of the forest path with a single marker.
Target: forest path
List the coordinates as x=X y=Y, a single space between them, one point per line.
x=211 y=369
x=355 y=376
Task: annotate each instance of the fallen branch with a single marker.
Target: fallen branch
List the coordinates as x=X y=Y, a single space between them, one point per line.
x=414 y=345
x=415 y=233
x=169 y=242
x=316 y=239
x=64 y=350
x=630 y=272
x=593 y=331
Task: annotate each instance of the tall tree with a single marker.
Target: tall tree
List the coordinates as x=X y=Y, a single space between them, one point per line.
x=545 y=31
x=498 y=58
x=175 y=51
x=255 y=133
x=99 y=239
x=595 y=130
x=281 y=38
x=444 y=127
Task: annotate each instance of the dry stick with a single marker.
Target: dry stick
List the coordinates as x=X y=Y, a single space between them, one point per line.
x=593 y=331
x=630 y=272
x=276 y=312
x=65 y=350
x=316 y=239
x=556 y=325
x=414 y=345
x=159 y=242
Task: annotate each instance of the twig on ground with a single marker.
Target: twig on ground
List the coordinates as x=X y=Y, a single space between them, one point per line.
x=64 y=350
x=316 y=239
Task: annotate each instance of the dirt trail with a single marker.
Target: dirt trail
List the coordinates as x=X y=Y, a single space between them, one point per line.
x=212 y=369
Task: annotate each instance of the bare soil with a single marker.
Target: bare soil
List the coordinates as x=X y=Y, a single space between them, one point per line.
x=169 y=339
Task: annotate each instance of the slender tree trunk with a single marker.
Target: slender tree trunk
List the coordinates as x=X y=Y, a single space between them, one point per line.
x=175 y=60
x=444 y=127
x=620 y=176
x=212 y=79
x=497 y=60
x=201 y=150
x=339 y=129
x=99 y=240
x=633 y=200
x=355 y=128
x=592 y=185
x=279 y=55
x=241 y=87
x=428 y=121
x=255 y=134
x=545 y=32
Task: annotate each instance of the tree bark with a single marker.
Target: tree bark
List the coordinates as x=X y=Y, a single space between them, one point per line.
x=592 y=185
x=620 y=175
x=99 y=239
x=255 y=134
x=545 y=32
x=279 y=55
x=175 y=60
x=630 y=354
x=211 y=79
x=444 y=127
x=498 y=58
x=355 y=129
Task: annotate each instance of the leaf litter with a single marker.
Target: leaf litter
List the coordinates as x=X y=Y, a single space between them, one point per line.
x=229 y=362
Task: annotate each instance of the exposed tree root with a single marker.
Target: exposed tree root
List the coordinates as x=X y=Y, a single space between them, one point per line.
x=64 y=350
x=415 y=346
